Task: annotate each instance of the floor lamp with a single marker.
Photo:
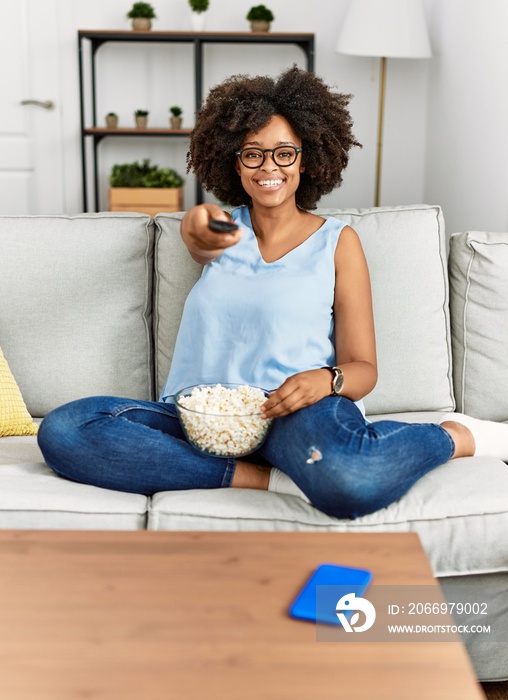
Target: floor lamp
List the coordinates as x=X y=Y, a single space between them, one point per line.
x=385 y=29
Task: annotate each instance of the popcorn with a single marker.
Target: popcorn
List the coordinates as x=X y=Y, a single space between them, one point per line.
x=224 y=421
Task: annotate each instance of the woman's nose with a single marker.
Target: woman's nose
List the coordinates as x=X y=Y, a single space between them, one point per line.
x=269 y=163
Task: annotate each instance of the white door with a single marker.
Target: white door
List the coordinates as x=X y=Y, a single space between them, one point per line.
x=31 y=178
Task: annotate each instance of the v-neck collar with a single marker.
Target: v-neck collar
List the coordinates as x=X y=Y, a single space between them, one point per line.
x=289 y=252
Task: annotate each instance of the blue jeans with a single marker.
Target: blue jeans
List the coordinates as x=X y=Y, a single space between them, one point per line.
x=345 y=465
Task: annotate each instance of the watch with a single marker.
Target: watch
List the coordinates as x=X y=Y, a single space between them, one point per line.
x=337 y=380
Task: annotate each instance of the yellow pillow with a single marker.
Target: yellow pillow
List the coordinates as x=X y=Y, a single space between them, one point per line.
x=14 y=416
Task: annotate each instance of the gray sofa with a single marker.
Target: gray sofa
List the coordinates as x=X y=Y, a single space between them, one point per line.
x=91 y=305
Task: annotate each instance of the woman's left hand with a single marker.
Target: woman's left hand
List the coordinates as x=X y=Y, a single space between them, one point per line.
x=300 y=390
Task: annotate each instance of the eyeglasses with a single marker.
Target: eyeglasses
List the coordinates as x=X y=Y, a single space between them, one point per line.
x=283 y=156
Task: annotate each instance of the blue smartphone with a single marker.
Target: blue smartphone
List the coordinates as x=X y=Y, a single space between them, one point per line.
x=319 y=604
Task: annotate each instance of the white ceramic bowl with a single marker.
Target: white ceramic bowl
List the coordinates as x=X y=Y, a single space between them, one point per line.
x=223 y=420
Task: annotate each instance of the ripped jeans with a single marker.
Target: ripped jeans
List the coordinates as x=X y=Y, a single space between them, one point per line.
x=347 y=466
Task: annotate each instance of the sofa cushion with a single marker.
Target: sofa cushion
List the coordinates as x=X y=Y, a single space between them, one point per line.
x=14 y=417
x=405 y=249
x=461 y=519
x=406 y=252
x=75 y=311
x=175 y=275
x=478 y=266
x=32 y=496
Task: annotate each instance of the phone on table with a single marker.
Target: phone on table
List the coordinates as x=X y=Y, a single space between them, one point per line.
x=339 y=580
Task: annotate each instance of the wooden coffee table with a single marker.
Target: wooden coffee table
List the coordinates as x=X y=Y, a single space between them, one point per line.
x=195 y=615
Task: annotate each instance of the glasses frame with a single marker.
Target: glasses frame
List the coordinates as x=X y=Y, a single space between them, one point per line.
x=264 y=151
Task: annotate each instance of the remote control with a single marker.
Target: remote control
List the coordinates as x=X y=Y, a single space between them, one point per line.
x=219 y=226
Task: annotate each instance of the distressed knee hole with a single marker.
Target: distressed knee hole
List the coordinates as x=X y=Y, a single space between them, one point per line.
x=314 y=455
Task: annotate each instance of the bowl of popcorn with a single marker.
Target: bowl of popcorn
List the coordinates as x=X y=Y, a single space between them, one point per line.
x=223 y=420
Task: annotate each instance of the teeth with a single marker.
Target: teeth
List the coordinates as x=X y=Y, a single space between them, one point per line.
x=269 y=183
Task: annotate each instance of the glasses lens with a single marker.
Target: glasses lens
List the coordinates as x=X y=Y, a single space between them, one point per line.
x=252 y=157
x=285 y=155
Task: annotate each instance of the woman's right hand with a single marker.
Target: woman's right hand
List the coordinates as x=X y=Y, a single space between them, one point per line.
x=203 y=244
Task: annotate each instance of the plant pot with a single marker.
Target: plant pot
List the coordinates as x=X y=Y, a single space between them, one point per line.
x=175 y=122
x=111 y=122
x=141 y=24
x=141 y=122
x=146 y=200
x=198 y=21
x=260 y=25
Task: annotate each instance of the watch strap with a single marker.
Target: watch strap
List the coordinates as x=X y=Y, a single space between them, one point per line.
x=337 y=379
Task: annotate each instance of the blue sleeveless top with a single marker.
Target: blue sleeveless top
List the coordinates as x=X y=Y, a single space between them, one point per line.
x=247 y=321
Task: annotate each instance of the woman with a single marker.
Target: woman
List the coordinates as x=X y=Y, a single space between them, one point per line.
x=283 y=302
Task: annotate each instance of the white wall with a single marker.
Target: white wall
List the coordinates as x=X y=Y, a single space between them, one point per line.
x=467 y=135
x=446 y=135
x=156 y=77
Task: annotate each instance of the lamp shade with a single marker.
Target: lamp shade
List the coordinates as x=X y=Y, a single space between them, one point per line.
x=390 y=28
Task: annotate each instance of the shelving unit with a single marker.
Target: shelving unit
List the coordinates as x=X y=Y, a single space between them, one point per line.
x=94 y=39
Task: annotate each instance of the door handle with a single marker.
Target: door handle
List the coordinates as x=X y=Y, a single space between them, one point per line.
x=47 y=104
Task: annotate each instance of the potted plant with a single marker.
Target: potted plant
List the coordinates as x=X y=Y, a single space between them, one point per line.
x=260 y=17
x=198 y=14
x=141 y=117
x=111 y=120
x=145 y=188
x=141 y=14
x=176 y=117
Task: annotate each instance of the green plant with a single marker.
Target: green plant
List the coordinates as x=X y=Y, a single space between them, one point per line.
x=199 y=5
x=260 y=13
x=176 y=111
x=141 y=113
x=129 y=174
x=142 y=9
x=163 y=177
x=143 y=175
x=112 y=114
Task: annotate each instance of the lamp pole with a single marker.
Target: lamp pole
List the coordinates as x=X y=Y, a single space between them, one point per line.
x=382 y=83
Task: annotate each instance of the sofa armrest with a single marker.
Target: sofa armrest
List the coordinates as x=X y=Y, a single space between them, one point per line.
x=478 y=269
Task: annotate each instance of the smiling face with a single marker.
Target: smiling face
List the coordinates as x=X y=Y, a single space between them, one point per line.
x=271 y=185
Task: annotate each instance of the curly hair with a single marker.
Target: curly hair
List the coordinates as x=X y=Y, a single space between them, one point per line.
x=241 y=105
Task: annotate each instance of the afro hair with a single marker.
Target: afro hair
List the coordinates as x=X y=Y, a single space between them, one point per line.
x=241 y=105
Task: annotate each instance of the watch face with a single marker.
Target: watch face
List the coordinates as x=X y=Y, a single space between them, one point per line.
x=338 y=381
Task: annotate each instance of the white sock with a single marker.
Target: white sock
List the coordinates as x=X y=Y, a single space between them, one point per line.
x=282 y=483
x=490 y=438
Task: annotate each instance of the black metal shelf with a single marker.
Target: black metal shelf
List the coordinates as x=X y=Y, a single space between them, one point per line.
x=97 y=37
